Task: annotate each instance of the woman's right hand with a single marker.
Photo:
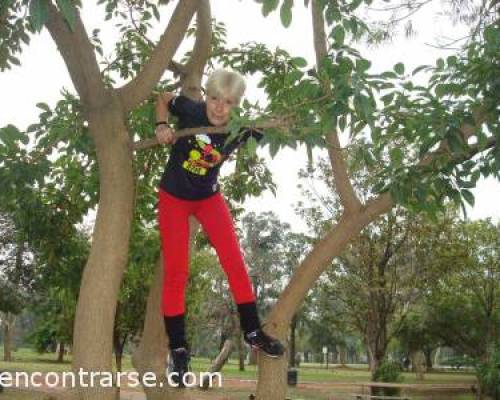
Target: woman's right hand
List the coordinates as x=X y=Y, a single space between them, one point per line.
x=165 y=134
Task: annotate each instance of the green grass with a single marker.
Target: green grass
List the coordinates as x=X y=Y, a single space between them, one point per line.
x=29 y=361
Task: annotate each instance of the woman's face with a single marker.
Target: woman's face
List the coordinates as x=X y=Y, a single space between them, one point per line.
x=219 y=109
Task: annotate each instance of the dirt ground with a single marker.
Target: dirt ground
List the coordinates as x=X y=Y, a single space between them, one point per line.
x=237 y=389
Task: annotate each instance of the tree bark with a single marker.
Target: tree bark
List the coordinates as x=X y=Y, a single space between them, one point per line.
x=293 y=351
x=60 y=356
x=428 y=359
x=219 y=361
x=342 y=354
x=418 y=363
x=102 y=276
x=241 y=353
x=272 y=372
x=151 y=354
x=8 y=327
x=119 y=345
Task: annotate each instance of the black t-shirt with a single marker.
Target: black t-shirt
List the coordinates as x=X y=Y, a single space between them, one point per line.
x=193 y=167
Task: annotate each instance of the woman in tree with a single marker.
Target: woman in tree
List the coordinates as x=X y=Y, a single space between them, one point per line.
x=189 y=188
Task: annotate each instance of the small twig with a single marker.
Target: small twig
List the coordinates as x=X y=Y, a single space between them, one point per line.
x=213 y=130
x=134 y=22
x=398 y=7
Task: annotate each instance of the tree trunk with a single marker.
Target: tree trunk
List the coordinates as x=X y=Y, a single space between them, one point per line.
x=60 y=357
x=105 y=110
x=293 y=327
x=102 y=276
x=342 y=354
x=271 y=383
x=241 y=352
x=428 y=359
x=151 y=354
x=219 y=362
x=119 y=346
x=252 y=357
x=8 y=326
x=418 y=363
x=223 y=338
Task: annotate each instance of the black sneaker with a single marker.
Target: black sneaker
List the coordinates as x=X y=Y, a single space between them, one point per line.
x=179 y=359
x=269 y=345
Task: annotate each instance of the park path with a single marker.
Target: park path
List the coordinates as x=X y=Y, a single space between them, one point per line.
x=331 y=390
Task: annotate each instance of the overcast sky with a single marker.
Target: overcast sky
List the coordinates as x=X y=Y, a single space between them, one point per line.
x=43 y=74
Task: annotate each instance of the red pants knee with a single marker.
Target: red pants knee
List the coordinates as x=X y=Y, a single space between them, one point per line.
x=215 y=218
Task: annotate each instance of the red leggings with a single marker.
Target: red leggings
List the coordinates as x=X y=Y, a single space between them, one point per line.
x=215 y=218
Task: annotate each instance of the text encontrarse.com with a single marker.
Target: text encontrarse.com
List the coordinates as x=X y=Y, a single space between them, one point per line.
x=84 y=379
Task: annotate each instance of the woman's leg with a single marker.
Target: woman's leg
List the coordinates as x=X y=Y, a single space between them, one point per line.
x=173 y=214
x=217 y=222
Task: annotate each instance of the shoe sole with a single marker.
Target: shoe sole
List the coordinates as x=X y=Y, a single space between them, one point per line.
x=266 y=354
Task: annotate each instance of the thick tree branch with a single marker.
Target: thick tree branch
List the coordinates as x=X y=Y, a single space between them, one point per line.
x=141 y=86
x=348 y=198
x=384 y=202
x=79 y=56
x=319 y=35
x=191 y=86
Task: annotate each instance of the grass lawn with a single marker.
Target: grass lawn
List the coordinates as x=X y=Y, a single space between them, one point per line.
x=29 y=361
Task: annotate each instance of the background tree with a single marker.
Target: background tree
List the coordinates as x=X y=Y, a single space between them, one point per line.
x=465 y=301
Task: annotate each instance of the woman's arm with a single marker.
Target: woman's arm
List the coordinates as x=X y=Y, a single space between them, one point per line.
x=163 y=132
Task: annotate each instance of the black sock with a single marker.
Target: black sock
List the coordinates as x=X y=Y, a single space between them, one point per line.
x=176 y=331
x=249 y=318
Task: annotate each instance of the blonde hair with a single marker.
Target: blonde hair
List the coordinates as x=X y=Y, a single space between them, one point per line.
x=226 y=83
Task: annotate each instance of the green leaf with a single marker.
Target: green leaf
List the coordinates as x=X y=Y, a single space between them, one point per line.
x=68 y=11
x=441 y=90
x=342 y=123
x=332 y=14
x=9 y=135
x=396 y=194
x=468 y=196
x=388 y=75
x=268 y=6
x=355 y=4
x=387 y=99
x=39 y=14
x=399 y=68
x=43 y=106
x=274 y=147
x=156 y=12
x=338 y=35
x=419 y=68
x=286 y=13
x=252 y=146
x=299 y=62
x=396 y=155
x=455 y=142
x=452 y=61
x=378 y=187
x=491 y=34
x=362 y=65
x=440 y=63
x=482 y=140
